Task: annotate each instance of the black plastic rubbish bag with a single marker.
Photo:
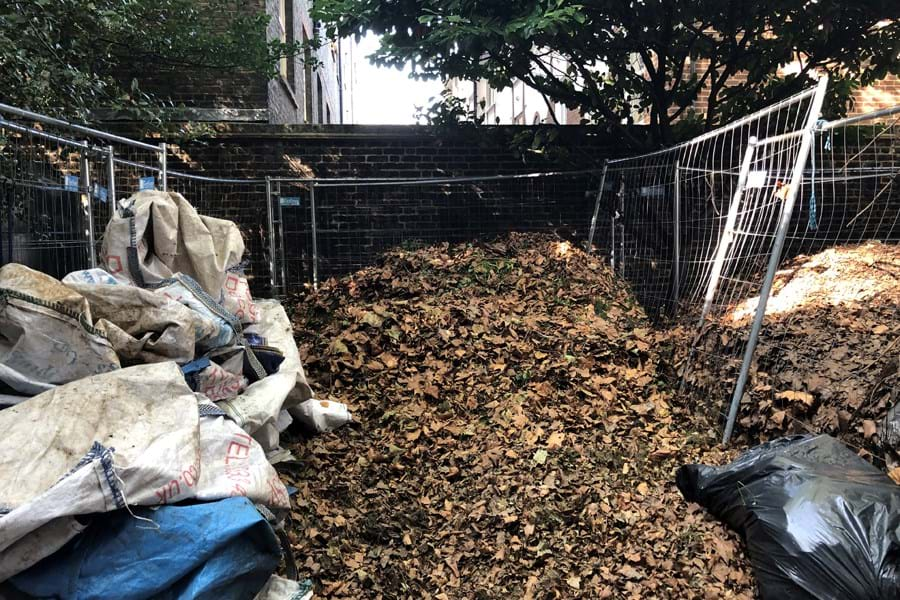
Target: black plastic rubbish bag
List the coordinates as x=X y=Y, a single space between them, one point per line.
x=819 y=522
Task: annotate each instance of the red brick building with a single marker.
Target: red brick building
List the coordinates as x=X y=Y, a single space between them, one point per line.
x=300 y=94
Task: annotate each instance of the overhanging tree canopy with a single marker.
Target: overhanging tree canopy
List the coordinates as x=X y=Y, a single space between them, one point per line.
x=626 y=56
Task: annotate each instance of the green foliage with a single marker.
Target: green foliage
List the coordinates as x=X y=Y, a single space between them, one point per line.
x=622 y=58
x=67 y=57
x=446 y=109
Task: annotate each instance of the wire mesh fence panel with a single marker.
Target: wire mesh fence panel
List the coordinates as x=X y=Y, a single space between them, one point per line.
x=60 y=187
x=335 y=227
x=43 y=198
x=827 y=354
x=637 y=224
x=292 y=225
x=61 y=183
x=691 y=227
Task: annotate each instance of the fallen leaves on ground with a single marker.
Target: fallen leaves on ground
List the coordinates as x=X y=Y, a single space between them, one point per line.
x=516 y=438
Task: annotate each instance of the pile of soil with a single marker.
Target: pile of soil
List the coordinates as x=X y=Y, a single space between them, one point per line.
x=517 y=435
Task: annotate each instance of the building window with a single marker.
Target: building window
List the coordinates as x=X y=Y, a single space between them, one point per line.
x=286 y=23
x=320 y=101
x=307 y=79
x=485 y=94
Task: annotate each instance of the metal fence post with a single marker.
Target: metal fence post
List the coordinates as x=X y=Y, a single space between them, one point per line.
x=315 y=246
x=87 y=204
x=111 y=174
x=676 y=234
x=163 y=178
x=270 y=221
x=784 y=222
x=620 y=226
x=590 y=244
x=281 y=256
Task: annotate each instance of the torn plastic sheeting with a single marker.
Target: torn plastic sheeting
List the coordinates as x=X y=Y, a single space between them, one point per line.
x=11 y=400
x=47 y=336
x=90 y=276
x=134 y=436
x=819 y=522
x=217 y=550
x=889 y=432
x=213 y=380
x=260 y=404
x=279 y=588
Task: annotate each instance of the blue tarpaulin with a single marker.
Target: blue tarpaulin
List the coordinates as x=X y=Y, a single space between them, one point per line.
x=218 y=550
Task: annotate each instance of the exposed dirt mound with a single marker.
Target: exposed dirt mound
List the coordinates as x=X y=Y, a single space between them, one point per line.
x=827 y=359
x=516 y=436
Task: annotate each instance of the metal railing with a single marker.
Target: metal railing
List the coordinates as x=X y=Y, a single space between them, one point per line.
x=310 y=228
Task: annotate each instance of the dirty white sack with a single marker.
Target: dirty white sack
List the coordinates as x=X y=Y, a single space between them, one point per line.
x=86 y=447
x=258 y=407
x=237 y=299
x=232 y=463
x=145 y=326
x=155 y=234
x=322 y=415
x=136 y=436
x=47 y=335
x=186 y=291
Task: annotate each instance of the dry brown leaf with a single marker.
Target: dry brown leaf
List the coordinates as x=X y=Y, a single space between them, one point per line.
x=869 y=428
x=796 y=395
x=555 y=440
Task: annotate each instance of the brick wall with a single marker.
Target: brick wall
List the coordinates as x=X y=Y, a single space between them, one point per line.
x=883 y=94
x=356 y=222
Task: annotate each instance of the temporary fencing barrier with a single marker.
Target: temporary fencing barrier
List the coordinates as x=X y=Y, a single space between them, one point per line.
x=695 y=229
x=701 y=230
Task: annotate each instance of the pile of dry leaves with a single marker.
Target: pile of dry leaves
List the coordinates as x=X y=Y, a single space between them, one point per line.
x=517 y=437
x=827 y=359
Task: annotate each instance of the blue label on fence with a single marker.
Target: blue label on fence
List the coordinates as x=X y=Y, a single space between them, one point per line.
x=71 y=183
x=146 y=183
x=100 y=193
x=290 y=200
x=653 y=191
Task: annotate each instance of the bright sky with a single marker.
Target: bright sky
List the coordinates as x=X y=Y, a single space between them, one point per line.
x=386 y=95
